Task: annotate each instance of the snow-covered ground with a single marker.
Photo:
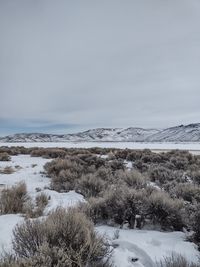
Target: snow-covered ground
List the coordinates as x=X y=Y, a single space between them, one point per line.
x=193 y=147
x=148 y=246
x=29 y=170
x=7 y=223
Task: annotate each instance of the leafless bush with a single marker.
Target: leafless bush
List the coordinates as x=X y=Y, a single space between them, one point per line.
x=116 y=165
x=176 y=261
x=12 y=199
x=133 y=178
x=48 y=153
x=195 y=176
x=90 y=185
x=15 y=150
x=4 y=156
x=196 y=225
x=64 y=238
x=7 y=170
x=162 y=175
x=34 y=210
x=140 y=165
x=105 y=173
x=189 y=192
x=166 y=211
x=117 y=206
x=63 y=173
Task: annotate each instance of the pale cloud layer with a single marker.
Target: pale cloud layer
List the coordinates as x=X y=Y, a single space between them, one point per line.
x=72 y=65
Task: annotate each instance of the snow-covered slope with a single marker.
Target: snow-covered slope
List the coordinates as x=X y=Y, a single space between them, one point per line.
x=114 y=134
x=99 y=134
x=182 y=133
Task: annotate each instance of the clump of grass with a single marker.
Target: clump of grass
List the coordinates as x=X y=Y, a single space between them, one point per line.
x=12 y=199
x=4 y=156
x=34 y=210
x=176 y=261
x=7 y=170
x=33 y=165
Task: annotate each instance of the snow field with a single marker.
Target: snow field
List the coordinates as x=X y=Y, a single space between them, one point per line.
x=132 y=248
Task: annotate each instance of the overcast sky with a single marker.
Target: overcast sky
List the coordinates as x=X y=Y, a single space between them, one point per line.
x=70 y=65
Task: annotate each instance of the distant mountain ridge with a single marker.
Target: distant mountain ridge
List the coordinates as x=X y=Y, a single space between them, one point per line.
x=181 y=133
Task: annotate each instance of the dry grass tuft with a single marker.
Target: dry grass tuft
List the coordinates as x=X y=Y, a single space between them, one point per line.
x=34 y=210
x=12 y=199
x=7 y=170
x=176 y=261
x=4 y=156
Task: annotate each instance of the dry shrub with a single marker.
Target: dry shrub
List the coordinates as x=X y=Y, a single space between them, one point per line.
x=133 y=178
x=140 y=165
x=34 y=210
x=195 y=176
x=161 y=174
x=41 y=200
x=121 y=153
x=165 y=211
x=4 y=156
x=176 y=261
x=15 y=150
x=117 y=206
x=64 y=238
x=115 y=165
x=63 y=173
x=121 y=204
x=180 y=163
x=189 y=192
x=90 y=185
x=91 y=160
x=7 y=170
x=67 y=174
x=48 y=153
x=12 y=199
x=196 y=225
x=9 y=260
x=106 y=174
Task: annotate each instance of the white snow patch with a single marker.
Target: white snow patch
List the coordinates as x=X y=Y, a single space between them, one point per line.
x=64 y=200
x=148 y=246
x=103 y=156
x=154 y=185
x=7 y=224
x=129 y=164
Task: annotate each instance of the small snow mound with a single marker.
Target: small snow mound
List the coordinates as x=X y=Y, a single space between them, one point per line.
x=129 y=254
x=64 y=200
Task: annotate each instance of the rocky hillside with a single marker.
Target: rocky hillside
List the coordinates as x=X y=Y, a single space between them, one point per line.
x=182 y=133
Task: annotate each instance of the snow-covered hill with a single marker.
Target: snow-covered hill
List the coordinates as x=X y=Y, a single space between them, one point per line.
x=182 y=133
x=100 y=134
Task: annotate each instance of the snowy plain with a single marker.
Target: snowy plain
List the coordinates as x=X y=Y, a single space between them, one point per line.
x=146 y=245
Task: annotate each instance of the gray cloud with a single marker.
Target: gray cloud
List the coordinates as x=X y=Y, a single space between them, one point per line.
x=99 y=63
